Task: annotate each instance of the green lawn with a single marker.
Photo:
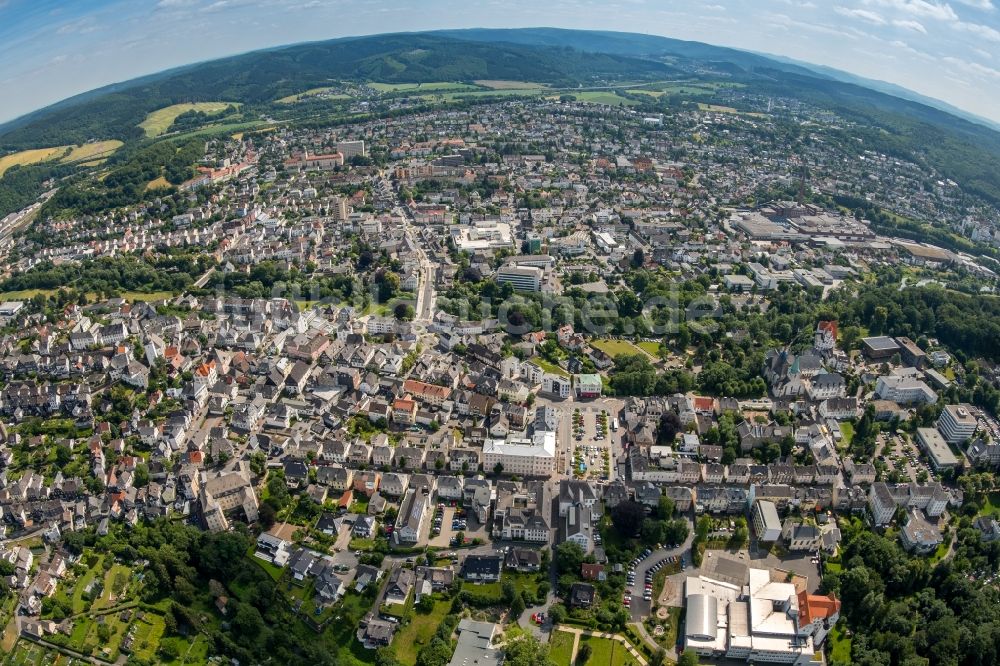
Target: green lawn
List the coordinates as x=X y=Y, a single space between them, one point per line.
x=652 y=348
x=847 y=431
x=79 y=603
x=606 y=652
x=523 y=581
x=408 y=640
x=561 y=648
x=991 y=505
x=114 y=593
x=840 y=647
x=147 y=636
x=550 y=368
x=615 y=348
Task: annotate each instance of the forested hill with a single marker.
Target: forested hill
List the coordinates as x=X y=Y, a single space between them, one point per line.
x=262 y=76
x=966 y=152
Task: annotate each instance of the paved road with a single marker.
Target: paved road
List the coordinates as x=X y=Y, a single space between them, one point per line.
x=640 y=607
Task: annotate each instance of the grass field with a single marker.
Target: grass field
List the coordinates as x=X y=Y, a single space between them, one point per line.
x=606 y=652
x=550 y=368
x=509 y=85
x=651 y=348
x=847 y=433
x=840 y=647
x=603 y=97
x=160 y=182
x=79 y=603
x=615 y=348
x=310 y=93
x=717 y=108
x=991 y=505
x=157 y=122
x=418 y=632
x=413 y=87
x=93 y=150
x=26 y=157
x=561 y=648
x=147 y=636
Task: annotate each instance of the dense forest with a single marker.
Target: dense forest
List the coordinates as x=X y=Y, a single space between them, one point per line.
x=21 y=186
x=113 y=275
x=903 y=612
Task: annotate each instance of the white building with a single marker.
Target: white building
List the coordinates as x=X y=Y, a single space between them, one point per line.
x=760 y=620
x=523 y=278
x=936 y=448
x=526 y=457
x=766 y=524
x=904 y=390
x=957 y=424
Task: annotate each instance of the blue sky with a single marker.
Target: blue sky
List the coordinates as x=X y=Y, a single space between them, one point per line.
x=51 y=49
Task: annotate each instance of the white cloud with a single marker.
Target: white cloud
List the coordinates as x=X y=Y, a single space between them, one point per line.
x=863 y=14
x=985 y=5
x=972 y=67
x=984 y=31
x=910 y=24
x=80 y=26
x=172 y=4
x=930 y=9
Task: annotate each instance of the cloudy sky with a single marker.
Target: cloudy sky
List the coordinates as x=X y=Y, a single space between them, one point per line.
x=51 y=49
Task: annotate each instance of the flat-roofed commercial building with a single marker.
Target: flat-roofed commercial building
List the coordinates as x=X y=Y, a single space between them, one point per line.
x=936 y=448
x=881 y=346
x=766 y=524
x=757 y=619
x=522 y=278
x=527 y=457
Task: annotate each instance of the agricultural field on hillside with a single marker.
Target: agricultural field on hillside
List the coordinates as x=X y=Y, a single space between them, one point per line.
x=509 y=85
x=159 y=121
x=421 y=87
x=26 y=157
x=603 y=97
x=92 y=151
x=312 y=92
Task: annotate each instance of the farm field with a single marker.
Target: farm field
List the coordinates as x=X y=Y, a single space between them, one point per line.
x=157 y=122
x=413 y=87
x=26 y=157
x=312 y=92
x=160 y=182
x=509 y=85
x=603 y=97
x=92 y=151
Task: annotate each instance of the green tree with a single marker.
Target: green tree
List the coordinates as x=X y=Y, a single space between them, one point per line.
x=688 y=658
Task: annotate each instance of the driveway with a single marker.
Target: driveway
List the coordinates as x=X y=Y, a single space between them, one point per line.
x=640 y=607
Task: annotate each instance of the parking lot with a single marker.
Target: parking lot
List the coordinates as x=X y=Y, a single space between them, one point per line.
x=443 y=519
x=905 y=458
x=592 y=435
